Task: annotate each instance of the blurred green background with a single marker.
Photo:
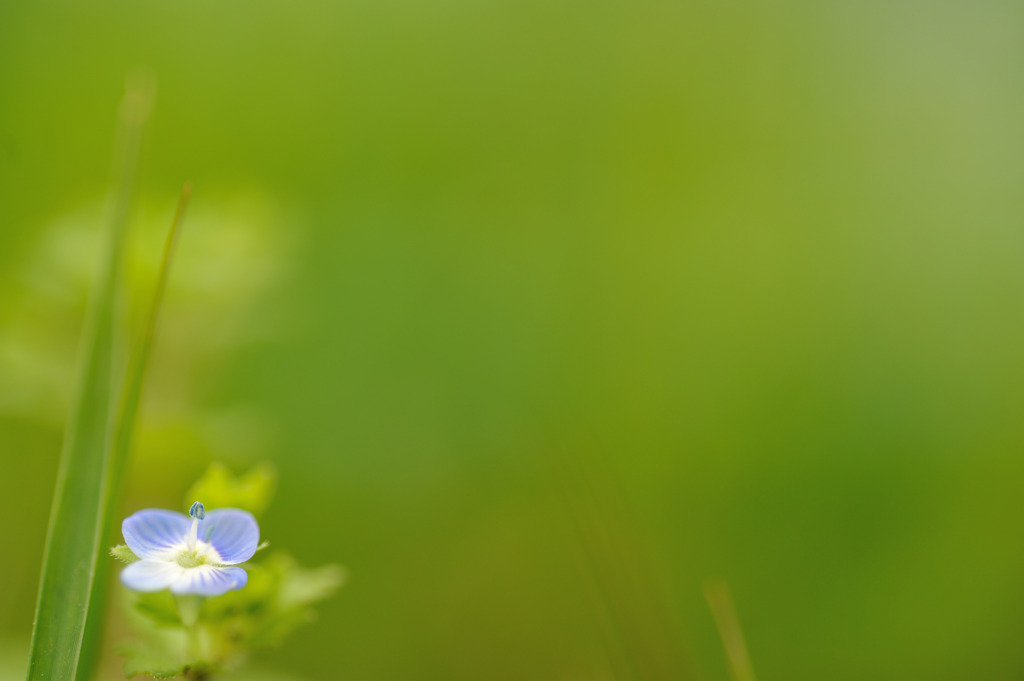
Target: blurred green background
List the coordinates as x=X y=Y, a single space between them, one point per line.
x=549 y=311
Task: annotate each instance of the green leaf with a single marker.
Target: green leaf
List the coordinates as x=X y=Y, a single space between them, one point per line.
x=220 y=488
x=301 y=587
x=78 y=514
x=159 y=607
x=167 y=653
x=153 y=665
x=123 y=554
x=277 y=600
x=158 y=664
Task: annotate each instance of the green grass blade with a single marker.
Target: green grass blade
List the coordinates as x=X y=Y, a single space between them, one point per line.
x=121 y=440
x=73 y=544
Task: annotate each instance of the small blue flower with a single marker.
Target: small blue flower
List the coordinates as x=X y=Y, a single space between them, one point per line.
x=189 y=556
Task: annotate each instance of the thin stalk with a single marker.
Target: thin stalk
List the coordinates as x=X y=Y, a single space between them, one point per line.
x=724 y=611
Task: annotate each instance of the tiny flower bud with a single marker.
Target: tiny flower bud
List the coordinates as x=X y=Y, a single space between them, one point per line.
x=198 y=511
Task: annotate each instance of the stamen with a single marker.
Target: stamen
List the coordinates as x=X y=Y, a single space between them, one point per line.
x=198 y=512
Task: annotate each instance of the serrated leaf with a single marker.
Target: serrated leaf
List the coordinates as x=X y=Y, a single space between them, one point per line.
x=220 y=488
x=162 y=661
x=301 y=587
x=277 y=600
x=272 y=631
x=159 y=607
x=159 y=665
x=123 y=554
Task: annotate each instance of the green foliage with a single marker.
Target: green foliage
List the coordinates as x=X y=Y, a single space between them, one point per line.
x=123 y=554
x=219 y=488
x=277 y=600
x=159 y=607
x=199 y=637
x=139 y=661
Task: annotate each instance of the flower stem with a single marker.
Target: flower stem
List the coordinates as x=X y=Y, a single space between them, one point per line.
x=188 y=610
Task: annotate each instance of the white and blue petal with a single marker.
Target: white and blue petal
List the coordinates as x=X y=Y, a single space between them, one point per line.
x=233 y=533
x=151 y=575
x=153 y=532
x=209 y=580
x=189 y=555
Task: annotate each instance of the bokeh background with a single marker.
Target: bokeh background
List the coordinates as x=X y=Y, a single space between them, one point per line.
x=549 y=311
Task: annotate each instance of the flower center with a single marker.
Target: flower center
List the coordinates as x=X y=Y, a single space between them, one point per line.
x=191 y=558
x=194 y=551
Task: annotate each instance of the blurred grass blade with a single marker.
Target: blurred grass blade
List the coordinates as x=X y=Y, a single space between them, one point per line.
x=139 y=360
x=77 y=516
x=121 y=441
x=720 y=601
